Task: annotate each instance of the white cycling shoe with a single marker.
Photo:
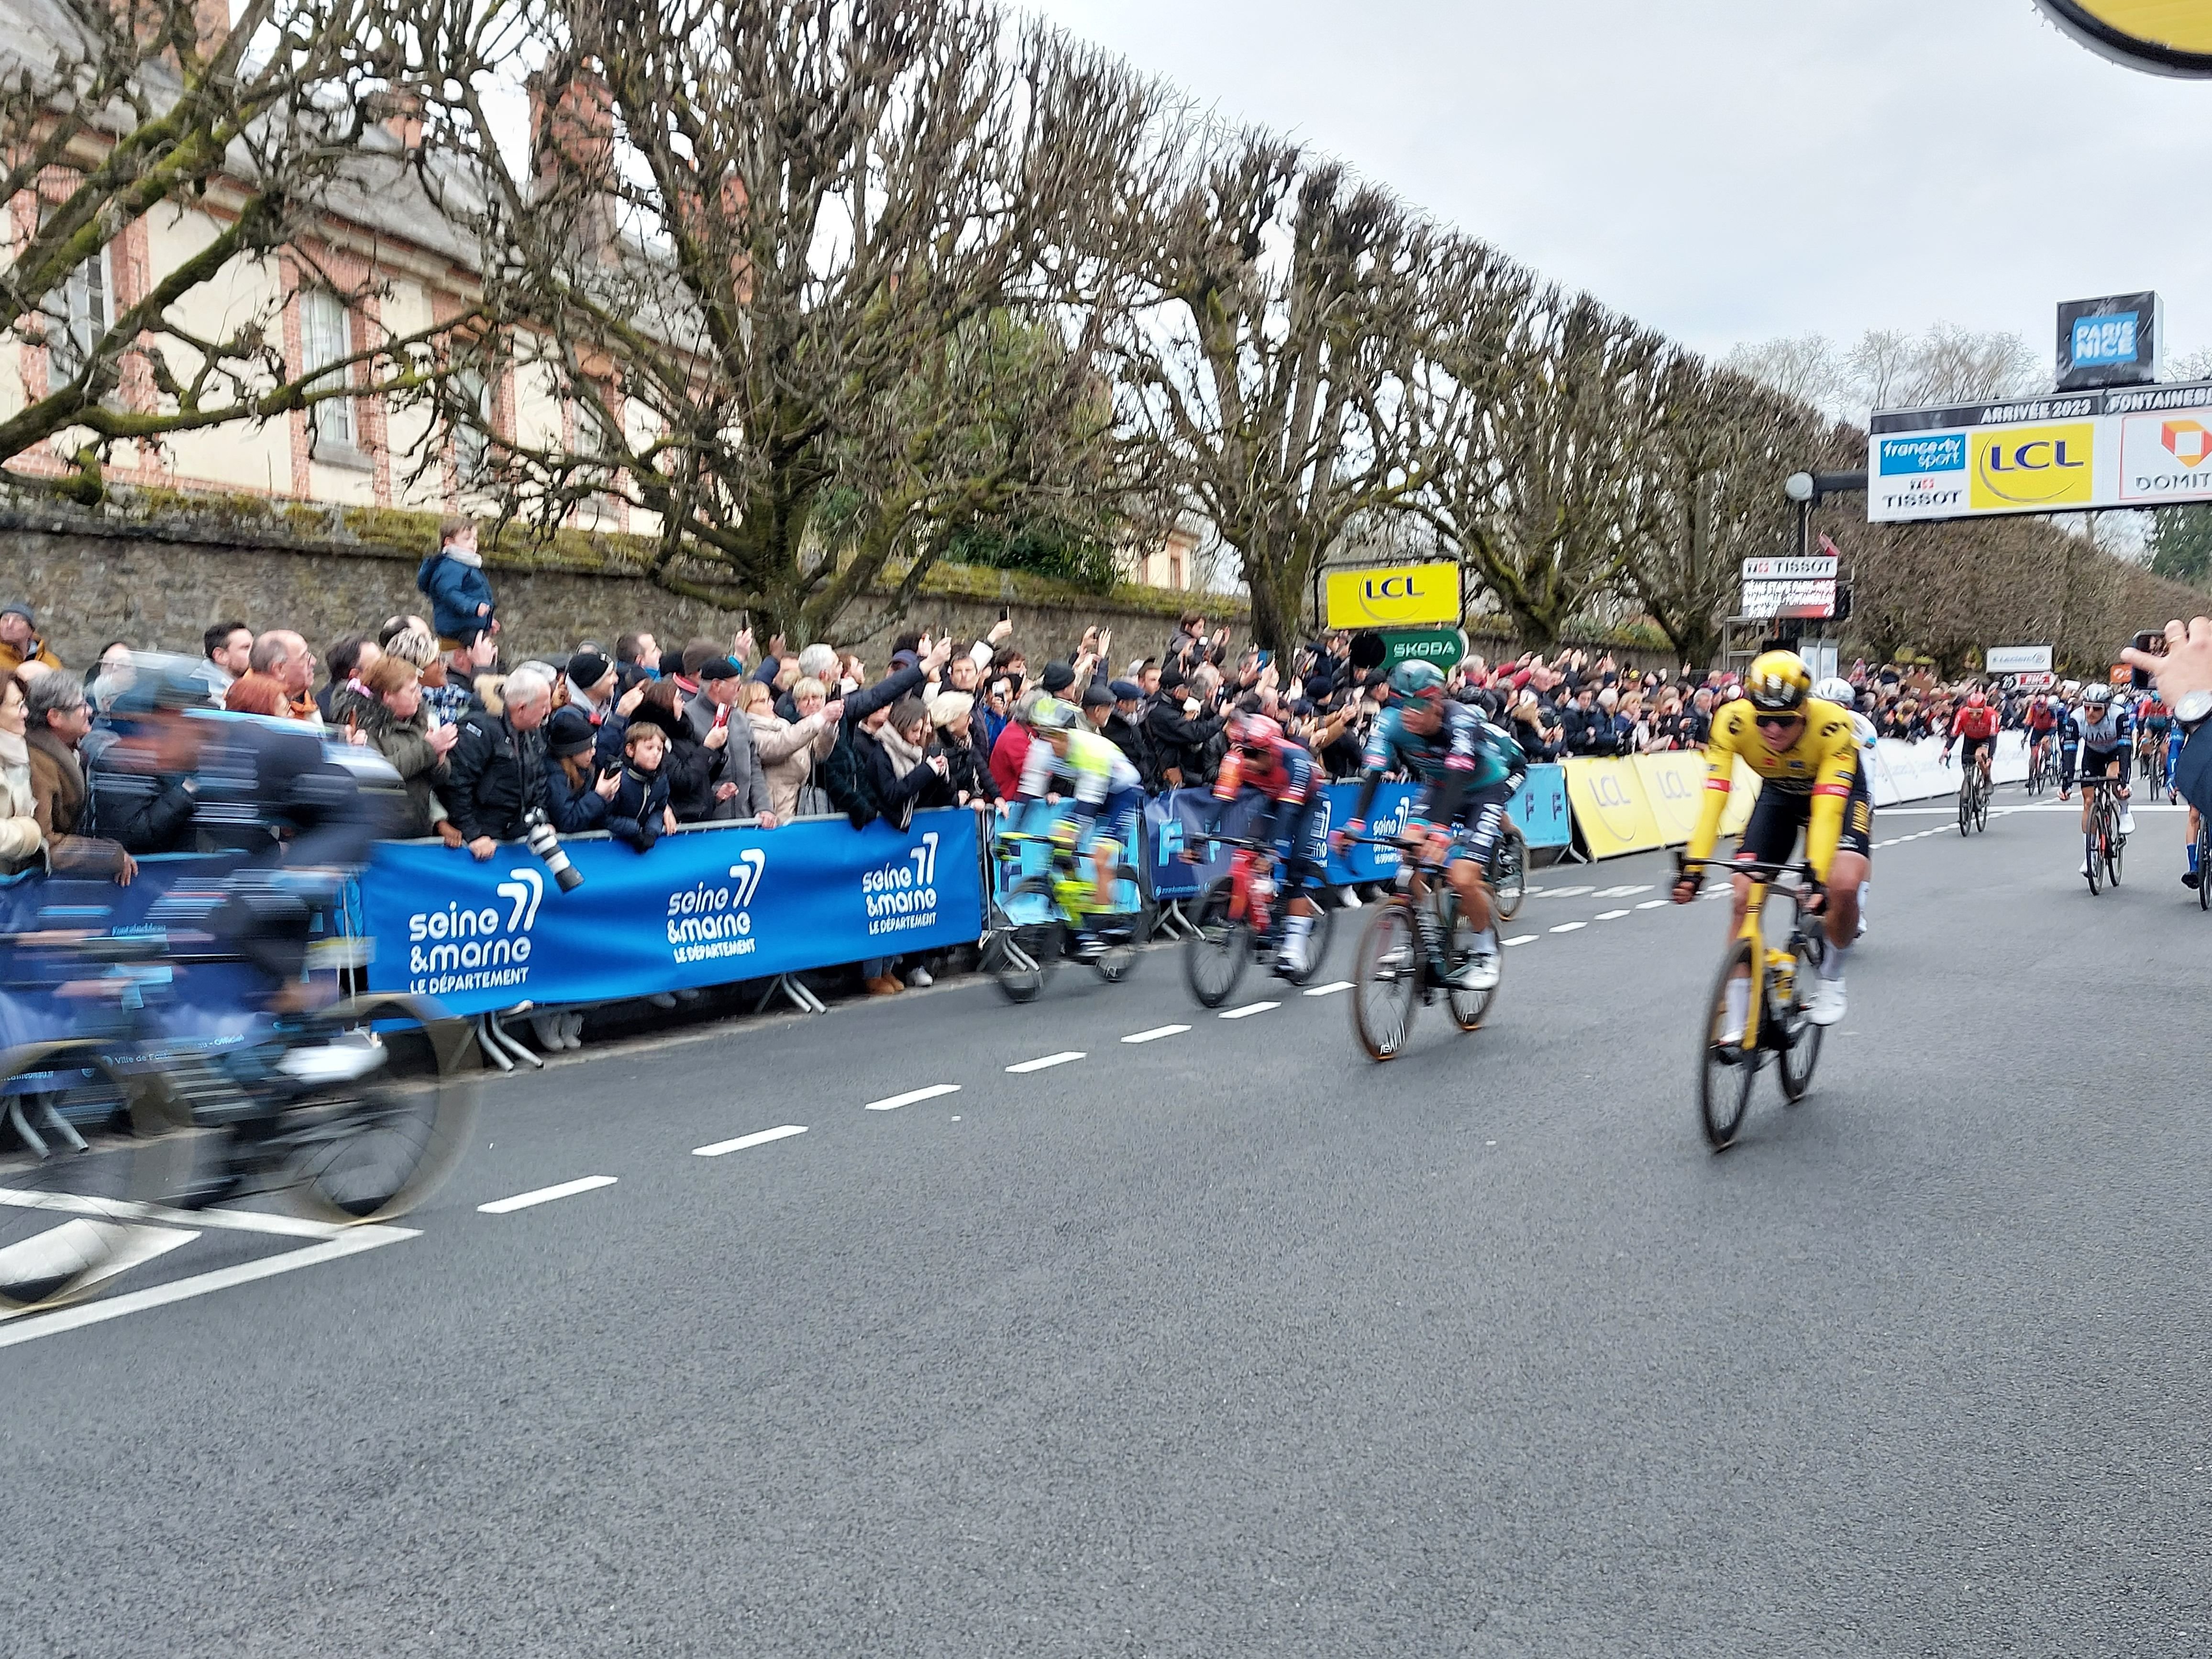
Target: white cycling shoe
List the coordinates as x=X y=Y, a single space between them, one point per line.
x=1827 y=1004
x=341 y=1060
x=1477 y=973
x=2127 y=822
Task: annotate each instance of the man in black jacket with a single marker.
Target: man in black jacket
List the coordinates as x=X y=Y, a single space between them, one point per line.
x=497 y=766
x=1181 y=724
x=1127 y=730
x=1588 y=728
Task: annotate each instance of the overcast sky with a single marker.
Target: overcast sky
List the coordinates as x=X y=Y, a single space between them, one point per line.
x=1729 y=170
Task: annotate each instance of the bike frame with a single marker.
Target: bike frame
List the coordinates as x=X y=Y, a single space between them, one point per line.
x=1753 y=932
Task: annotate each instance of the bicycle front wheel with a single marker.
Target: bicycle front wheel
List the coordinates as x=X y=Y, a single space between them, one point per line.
x=1726 y=1070
x=1035 y=937
x=81 y=1161
x=1509 y=874
x=2115 y=843
x=2093 y=857
x=2203 y=860
x=1800 y=1037
x=1966 y=808
x=1386 y=985
x=1213 y=958
x=1982 y=807
x=1468 y=1008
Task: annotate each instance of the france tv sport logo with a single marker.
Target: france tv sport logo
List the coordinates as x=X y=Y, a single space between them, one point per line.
x=2032 y=467
x=2101 y=340
x=1932 y=452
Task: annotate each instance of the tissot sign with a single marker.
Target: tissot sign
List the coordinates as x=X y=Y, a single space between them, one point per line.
x=2145 y=446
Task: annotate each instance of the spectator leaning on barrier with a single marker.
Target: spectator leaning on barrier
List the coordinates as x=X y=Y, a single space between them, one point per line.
x=847 y=774
x=497 y=764
x=1126 y=730
x=390 y=716
x=640 y=814
x=58 y=718
x=788 y=751
x=452 y=578
x=19 y=644
x=739 y=789
x=23 y=844
x=967 y=772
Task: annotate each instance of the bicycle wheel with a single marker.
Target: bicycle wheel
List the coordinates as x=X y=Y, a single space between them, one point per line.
x=1982 y=792
x=1213 y=958
x=1509 y=873
x=82 y=1158
x=2115 y=843
x=1125 y=930
x=375 y=1147
x=2203 y=860
x=1386 y=981
x=1035 y=935
x=1726 y=1071
x=1966 y=808
x=1468 y=1008
x=2094 y=854
x=1801 y=1038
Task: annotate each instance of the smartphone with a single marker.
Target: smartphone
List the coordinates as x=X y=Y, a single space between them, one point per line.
x=1006 y=613
x=2151 y=643
x=614 y=771
x=1261 y=658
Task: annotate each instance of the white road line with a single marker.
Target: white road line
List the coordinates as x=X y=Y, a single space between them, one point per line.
x=1569 y=926
x=1155 y=1034
x=1249 y=1009
x=759 y=1138
x=1609 y=915
x=1046 y=1061
x=545 y=1194
x=1329 y=990
x=1522 y=938
x=1622 y=892
x=1655 y=904
x=117 y=1209
x=353 y=1241
x=895 y=1101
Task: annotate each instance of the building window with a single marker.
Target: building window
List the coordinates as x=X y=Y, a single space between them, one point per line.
x=472 y=431
x=324 y=338
x=78 y=316
x=1175 y=568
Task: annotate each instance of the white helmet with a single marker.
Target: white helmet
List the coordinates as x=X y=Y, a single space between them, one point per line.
x=1836 y=690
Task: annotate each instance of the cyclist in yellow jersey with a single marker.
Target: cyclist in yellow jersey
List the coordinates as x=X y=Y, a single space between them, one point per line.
x=1807 y=757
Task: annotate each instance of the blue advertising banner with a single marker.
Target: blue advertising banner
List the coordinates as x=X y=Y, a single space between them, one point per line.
x=1541 y=809
x=704 y=907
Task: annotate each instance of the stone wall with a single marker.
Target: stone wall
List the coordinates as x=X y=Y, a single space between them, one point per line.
x=158 y=581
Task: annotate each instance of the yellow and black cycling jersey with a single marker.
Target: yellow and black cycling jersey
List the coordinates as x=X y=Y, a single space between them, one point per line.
x=1823 y=763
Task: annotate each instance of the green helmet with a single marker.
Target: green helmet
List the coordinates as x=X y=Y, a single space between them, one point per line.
x=1416 y=678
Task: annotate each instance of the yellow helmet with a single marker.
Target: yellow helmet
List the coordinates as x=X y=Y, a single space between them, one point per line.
x=1777 y=680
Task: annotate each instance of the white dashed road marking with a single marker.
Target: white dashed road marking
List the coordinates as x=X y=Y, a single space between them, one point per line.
x=1248 y=1009
x=1522 y=938
x=759 y=1138
x=1609 y=915
x=1046 y=1061
x=1569 y=926
x=1330 y=990
x=1655 y=904
x=545 y=1194
x=1155 y=1034
x=895 y=1101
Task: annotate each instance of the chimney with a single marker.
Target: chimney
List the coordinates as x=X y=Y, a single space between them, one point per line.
x=211 y=20
x=572 y=128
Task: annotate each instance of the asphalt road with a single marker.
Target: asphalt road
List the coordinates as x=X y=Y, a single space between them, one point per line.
x=1230 y=1342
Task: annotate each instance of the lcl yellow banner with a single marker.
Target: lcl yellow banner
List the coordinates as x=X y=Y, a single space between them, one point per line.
x=1399 y=596
x=1647 y=801
x=2170 y=37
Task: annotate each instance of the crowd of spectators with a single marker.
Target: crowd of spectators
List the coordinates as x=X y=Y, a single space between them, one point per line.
x=636 y=739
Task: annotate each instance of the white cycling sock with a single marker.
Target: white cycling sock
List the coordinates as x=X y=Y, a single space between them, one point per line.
x=1831 y=965
x=1738 y=1000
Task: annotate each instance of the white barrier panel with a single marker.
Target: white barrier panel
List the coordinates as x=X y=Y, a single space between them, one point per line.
x=1916 y=771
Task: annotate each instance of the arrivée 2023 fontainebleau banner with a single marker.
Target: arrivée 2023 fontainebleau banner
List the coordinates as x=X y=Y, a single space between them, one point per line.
x=704 y=907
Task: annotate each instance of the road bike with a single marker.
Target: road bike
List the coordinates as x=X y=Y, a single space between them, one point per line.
x=1042 y=916
x=356 y=1114
x=1973 y=800
x=2042 y=770
x=2102 y=846
x=1508 y=873
x=2151 y=761
x=1240 y=918
x=1415 y=942
x=1775 y=1023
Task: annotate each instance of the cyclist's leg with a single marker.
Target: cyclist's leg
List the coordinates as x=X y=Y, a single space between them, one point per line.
x=1303 y=848
x=1486 y=820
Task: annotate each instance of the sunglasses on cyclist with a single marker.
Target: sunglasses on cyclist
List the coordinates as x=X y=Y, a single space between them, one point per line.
x=1778 y=722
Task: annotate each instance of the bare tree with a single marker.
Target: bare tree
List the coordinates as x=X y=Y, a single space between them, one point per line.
x=1279 y=370
x=114 y=109
x=785 y=261
x=1540 y=492
x=1805 y=368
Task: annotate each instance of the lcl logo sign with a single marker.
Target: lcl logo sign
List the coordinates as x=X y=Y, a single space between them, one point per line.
x=1391 y=587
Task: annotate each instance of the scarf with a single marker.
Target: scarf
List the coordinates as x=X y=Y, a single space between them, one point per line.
x=902 y=753
x=474 y=561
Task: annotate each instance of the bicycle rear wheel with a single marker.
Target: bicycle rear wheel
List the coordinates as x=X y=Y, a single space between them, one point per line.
x=1726 y=1071
x=374 y=1149
x=2115 y=843
x=1966 y=808
x=2094 y=854
x=1982 y=792
x=1509 y=873
x=83 y=1159
x=1801 y=1038
x=1213 y=958
x=1468 y=1008
x=1035 y=937
x=1386 y=981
